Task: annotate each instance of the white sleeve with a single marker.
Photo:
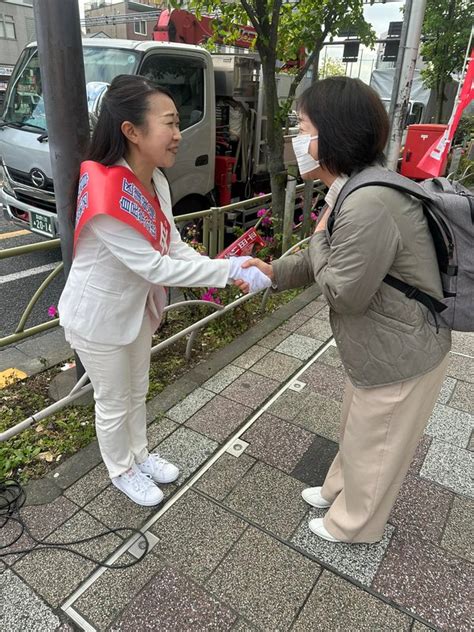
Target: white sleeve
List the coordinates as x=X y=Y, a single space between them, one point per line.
x=136 y=252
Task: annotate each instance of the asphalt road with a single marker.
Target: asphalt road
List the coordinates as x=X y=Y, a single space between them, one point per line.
x=21 y=276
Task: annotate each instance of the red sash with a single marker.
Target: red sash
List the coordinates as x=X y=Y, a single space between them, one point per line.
x=117 y=192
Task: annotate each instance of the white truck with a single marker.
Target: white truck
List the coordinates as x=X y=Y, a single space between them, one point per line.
x=220 y=100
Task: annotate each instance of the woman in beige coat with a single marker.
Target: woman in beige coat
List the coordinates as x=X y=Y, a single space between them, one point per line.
x=394 y=358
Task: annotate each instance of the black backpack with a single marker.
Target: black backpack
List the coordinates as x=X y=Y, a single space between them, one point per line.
x=449 y=210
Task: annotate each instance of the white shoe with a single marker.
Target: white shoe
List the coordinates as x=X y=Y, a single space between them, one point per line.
x=159 y=469
x=317 y=527
x=138 y=487
x=312 y=495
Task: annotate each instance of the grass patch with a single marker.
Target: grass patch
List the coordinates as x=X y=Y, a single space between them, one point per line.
x=36 y=451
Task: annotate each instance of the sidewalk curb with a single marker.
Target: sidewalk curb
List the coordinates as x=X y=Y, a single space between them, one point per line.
x=51 y=486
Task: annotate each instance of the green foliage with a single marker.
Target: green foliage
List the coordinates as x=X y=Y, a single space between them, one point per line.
x=332 y=68
x=446 y=31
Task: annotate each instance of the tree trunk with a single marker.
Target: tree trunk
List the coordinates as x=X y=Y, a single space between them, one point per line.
x=316 y=66
x=440 y=99
x=275 y=141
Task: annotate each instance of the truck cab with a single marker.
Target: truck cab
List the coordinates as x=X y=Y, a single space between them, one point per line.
x=26 y=185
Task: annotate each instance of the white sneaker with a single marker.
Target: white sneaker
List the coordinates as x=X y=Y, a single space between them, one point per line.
x=138 y=487
x=159 y=469
x=312 y=495
x=317 y=527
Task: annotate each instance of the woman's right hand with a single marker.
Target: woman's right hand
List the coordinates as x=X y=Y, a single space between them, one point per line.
x=266 y=268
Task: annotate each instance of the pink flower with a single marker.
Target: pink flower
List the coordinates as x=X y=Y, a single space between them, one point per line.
x=300 y=218
x=52 y=311
x=267 y=221
x=261 y=212
x=314 y=217
x=211 y=296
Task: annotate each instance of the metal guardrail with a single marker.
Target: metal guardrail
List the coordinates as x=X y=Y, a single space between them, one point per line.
x=213 y=234
x=82 y=388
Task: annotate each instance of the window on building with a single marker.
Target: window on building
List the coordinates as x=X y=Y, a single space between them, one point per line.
x=140 y=27
x=7 y=27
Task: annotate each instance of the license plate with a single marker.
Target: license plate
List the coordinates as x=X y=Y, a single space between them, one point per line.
x=41 y=224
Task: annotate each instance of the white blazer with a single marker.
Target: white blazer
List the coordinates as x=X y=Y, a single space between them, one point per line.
x=116 y=274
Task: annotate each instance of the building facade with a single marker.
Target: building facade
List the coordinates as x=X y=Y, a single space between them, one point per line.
x=113 y=18
x=17 y=28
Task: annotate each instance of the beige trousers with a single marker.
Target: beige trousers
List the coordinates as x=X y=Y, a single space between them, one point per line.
x=380 y=429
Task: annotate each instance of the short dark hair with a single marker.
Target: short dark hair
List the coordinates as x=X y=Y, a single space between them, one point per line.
x=352 y=123
x=126 y=99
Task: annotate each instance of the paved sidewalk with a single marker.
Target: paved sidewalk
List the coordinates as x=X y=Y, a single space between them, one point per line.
x=234 y=552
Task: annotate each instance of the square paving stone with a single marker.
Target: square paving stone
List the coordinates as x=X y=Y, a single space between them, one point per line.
x=251 y=389
x=269 y=498
x=219 y=418
x=315 y=328
x=55 y=574
x=277 y=442
x=243 y=626
x=190 y=404
x=277 y=366
x=264 y=580
x=313 y=308
x=224 y=475
x=42 y=520
x=463 y=397
x=103 y=601
x=323 y=314
x=159 y=430
x=274 y=338
x=223 y=378
x=463 y=342
x=449 y=465
x=420 y=454
x=89 y=485
x=335 y=604
x=450 y=425
x=300 y=347
x=22 y=609
x=458 y=534
x=446 y=390
x=421 y=508
x=288 y=405
x=188 y=450
x=356 y=561
x=195 y=535
x=313 y=466
x=171 y=602
x=326 y=380
x=293 y=323
x=252 y=355
x=320 y=415
x=115 y=510
x=460 y=367
x=428 y=581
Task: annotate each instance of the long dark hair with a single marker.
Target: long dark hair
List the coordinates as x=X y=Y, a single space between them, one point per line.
x=125 y=100
x=352 y=123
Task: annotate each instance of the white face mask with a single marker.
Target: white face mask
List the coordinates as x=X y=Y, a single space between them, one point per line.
x=305 y=160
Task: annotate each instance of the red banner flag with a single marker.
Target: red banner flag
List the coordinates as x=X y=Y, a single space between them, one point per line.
x=242 y=246
x=434 y=158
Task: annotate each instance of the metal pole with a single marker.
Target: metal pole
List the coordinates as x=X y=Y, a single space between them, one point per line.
x=409 y=56
x=58 y=34
x=400 y=58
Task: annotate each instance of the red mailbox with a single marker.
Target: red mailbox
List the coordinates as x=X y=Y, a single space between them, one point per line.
x=420 y=137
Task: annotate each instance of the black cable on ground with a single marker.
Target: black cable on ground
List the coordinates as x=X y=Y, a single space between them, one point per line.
x=12 y=499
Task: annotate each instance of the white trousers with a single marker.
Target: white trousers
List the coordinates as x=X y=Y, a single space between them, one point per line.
x=120 y=376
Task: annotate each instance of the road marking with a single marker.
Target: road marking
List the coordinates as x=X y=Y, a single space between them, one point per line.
x=15 y=233
x=9 y=376
x=8 y=278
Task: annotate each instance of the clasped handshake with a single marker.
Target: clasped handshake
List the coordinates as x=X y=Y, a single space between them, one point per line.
x=249 y=274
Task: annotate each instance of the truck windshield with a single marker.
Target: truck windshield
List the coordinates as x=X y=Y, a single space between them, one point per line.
x=24 y=105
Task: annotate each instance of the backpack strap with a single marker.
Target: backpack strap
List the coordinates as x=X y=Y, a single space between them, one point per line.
x=378 y=176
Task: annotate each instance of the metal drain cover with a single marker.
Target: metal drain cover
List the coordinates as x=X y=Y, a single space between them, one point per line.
x=297 y=386
x=237 y=447
x=138 y=547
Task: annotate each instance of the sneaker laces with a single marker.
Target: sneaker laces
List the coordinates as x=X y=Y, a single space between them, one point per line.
x=138 y=480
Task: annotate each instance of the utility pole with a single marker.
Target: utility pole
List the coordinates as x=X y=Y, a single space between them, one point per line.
x=405 y=69
x=64 y=91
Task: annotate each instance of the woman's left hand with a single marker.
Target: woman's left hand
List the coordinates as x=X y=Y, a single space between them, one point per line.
x=323 y=221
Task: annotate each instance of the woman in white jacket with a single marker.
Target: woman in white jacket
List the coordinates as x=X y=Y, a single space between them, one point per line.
x=126 y=249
